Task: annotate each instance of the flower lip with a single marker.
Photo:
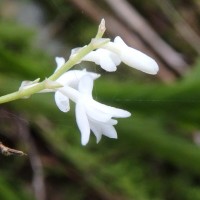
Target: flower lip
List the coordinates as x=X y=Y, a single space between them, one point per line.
x=90 y=114
x=108 y=60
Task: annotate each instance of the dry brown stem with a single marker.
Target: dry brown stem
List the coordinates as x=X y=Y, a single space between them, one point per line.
x=6 y=151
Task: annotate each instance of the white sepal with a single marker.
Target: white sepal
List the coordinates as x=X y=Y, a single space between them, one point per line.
x=60 y=61
x=62 y=101
x=82 y=122
x=135 y=58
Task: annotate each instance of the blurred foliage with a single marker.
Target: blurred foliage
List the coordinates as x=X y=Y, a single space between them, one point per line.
x=189 y=11
x=155 y=157
x=17 y=53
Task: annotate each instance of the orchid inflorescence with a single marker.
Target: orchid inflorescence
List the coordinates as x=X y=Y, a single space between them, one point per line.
x=77 y=85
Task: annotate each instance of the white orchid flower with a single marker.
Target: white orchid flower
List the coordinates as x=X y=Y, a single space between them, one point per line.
x=27 y=84
x=90 y=114
x=70 y=78
x=133 y=57
x=113 y=53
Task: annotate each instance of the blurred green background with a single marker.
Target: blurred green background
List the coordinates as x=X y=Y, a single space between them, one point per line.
x=157 y=154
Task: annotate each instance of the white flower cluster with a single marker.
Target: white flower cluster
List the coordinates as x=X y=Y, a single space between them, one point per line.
x=90 y=114
x=78 y=84
x=113 y=53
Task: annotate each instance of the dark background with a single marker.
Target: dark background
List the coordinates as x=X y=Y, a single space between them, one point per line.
x=156 y=156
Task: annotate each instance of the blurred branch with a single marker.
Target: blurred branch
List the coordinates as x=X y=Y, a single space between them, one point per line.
x=115 y=27
x=8 y=151
x=136 y=22
x=35 y=161
x=181 y=26
x=63 y=154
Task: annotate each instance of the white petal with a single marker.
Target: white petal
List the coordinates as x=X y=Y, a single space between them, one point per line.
x=108 y=60
x=92 y=74
x=85 y=85
x=96 y=129
x=62 y=101
x=115 y=58
x=108 y=64
x=83 y=123
x=100 y=129
x=92 y=57
x=140 y=61
x=135 y=58
x=105 y=58
x=112 y=122
x=75 y=50
x=109 y=131
x=118 y=40
x=72 y=77
x=71 y=93
x=115 y=112
x=60 y=61
x=96 y=114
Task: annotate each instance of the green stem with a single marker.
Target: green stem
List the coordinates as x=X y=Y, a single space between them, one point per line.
x=69 y=64
x=77 y=58
x=22 y=93
x=101 y=29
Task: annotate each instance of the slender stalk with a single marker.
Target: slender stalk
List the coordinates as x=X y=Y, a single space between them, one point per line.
x=26 y=92
x=101 y=29
x=22 y=93
x=77 y=58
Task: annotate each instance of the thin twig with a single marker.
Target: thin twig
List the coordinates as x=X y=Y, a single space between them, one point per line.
x=35 y=161
x=7 y=151
x=180 y=24
x=136 y=22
